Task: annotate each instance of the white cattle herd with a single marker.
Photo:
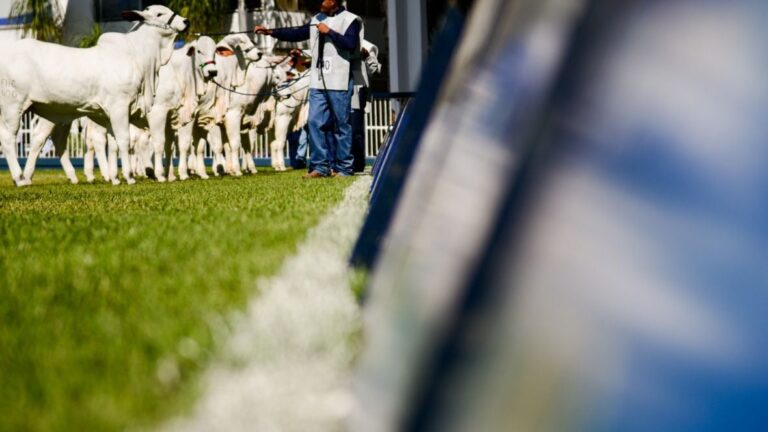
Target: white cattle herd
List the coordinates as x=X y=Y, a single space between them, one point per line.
x=136 y=93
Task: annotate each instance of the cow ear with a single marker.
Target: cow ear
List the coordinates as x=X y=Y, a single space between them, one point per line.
x=132 y=15
x=191 y=51
x=224 y=51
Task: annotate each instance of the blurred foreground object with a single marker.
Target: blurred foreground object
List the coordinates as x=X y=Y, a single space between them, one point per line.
x=581 y=241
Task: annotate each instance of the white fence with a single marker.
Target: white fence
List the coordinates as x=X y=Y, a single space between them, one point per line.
x=378 y=123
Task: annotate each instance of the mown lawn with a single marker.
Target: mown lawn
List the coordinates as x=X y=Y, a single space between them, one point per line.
x=112 y=298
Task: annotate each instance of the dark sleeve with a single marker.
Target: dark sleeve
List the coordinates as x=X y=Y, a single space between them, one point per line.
x=296 y=34
x=350 y=40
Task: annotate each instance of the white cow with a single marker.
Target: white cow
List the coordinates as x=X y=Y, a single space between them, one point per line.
x=108 y=82
x=291 y=111
x=242 y=69
x=185 y=85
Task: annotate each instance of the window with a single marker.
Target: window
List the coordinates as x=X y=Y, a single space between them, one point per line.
x=109 y=10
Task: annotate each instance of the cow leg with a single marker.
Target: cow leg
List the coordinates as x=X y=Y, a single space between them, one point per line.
x=157 y=119
x=59 y=136
x=141 y=153
x=252 y=140
x=227 y=158
x=40 y=134
x=233 y=121
x=200 y=165
x=88 y=157
x=96 y=143
x=184 y=146
x=244 y=145
x=10 y=119
x=278 y=145
x=112 y=154
x=121 y=131
x=100 y=148
x=133 y=147
x=169 y=153
x=214 y=138
x=88 y=163
x=146 y=156
x=248 y=165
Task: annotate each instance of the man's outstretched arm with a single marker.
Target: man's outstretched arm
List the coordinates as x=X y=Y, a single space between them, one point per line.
x=293 y=34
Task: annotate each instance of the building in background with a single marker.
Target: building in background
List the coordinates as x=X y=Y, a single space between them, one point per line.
x=400 y=26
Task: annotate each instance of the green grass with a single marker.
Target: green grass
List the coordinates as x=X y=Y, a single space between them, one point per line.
x=111 y=298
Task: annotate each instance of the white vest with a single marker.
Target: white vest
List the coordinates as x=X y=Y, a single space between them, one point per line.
x=337 y=64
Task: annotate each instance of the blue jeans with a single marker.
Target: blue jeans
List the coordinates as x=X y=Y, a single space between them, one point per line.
x=301 y=152
x=332 y=150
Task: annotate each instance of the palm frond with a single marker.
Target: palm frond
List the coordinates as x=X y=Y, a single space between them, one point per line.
x=90 y=39
x=40 y=18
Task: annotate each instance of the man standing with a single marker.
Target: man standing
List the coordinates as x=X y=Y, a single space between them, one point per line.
x=334 y=36
x=369 y=53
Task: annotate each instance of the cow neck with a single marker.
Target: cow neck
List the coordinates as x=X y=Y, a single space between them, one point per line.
x=151 y=50
x=197 y=75
x=257 y=84
x=149 y=47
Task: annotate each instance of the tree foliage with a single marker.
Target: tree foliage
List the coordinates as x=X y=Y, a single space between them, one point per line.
x=90 y=39
x=205 y=16
x=45 y=20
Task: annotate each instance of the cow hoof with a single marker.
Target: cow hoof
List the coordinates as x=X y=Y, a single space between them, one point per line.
x=130 y=181
x=184 y=177
x=204 y=177
x=74 y=181
x=171 y=179
x=23 y=182
x=161 y=179
x=115 y=182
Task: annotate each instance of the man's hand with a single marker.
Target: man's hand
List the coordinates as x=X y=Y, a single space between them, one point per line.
x=323 y=28
x=262 y=30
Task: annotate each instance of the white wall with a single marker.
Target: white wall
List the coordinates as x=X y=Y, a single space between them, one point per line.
x=7 y=33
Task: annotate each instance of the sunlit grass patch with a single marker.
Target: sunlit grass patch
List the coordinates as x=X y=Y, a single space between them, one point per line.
x=111 y=297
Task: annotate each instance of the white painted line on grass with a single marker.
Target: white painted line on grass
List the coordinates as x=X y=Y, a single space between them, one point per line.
x=288 y=365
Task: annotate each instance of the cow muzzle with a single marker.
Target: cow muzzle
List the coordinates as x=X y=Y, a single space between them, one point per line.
x=209 y=70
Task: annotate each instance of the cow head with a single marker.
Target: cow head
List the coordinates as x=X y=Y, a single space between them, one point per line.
x=233 y=54
x=230 y=44
x=203 y=51
x=158 y=16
